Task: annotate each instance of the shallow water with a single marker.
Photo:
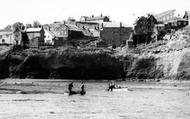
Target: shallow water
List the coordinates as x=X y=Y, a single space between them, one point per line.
x=141 y=103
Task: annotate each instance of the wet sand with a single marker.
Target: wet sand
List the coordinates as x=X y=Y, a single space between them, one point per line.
x=45 y=99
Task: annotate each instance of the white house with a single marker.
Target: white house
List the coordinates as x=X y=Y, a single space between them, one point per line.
x=6 y=37
x=49 y=36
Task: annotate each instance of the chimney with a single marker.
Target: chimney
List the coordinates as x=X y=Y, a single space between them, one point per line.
x=120 y=24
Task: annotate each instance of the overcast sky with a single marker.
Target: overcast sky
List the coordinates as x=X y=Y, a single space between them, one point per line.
x=48 y=11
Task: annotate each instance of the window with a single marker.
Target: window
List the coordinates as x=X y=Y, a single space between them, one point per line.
x=0 y=36
x=3 y=40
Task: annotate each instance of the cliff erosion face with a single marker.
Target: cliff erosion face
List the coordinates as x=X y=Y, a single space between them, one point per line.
x=4 y=69
x=4 y=65
x=168 y=57
x=142 y=67
x=65 y=63
x=184 y=67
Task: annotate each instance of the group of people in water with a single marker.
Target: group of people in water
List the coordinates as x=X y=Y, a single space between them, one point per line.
x=70 y=87
x=111 y=86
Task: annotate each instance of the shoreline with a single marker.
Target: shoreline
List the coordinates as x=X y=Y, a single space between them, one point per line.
x=100 y=80
x=174 y=84
x=36 y=86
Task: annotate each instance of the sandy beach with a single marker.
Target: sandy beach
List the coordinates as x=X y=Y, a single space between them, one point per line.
x=29 y=99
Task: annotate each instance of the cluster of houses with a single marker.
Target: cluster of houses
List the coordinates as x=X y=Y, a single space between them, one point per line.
x=146 y=29
x=63 y=33
x=153 y=27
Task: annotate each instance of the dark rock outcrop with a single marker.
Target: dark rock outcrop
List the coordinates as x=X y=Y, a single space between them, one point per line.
x=4 y=64
x=65 y=63
x=142 y=68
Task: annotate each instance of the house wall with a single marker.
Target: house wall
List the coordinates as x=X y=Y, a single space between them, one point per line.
x=6 y=39
x=75 y=35
x=33 y=36
x=166 y=17
x=89 y=29
x=17 y=36
x=141 y=26
x=48 y=38
x=115 y=36
x=144 y=26
x=145 y=30
x=87 y=26
x=182 y=23
x=33 y=43
x=60 y=41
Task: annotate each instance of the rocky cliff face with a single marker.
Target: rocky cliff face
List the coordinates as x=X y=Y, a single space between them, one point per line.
x=62 y=63
x=4 y=53
x=169 y=58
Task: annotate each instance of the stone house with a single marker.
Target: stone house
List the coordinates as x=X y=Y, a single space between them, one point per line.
x=171 y=21
x=176 y=24
x=36 y=37
x=49 y=37
x=60 y=33
x=6 y=37
x=187 y=16
x=65 y=33
x=115 y=33
x=166 y=16
x=17 y=34
x=144 y=29
x=90 y=29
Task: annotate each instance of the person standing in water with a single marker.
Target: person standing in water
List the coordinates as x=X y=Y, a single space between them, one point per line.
x=82 y=88
x=111 y=86
x=70 y=87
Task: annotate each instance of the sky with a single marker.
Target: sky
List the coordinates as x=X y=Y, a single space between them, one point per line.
x=48 y=11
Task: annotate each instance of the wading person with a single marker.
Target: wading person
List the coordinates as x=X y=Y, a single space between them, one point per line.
x=70 y=87
x=82 y=89
x=111 y=86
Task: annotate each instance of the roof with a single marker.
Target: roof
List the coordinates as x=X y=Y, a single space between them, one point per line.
x=6 y=32
x=188 y=13
x=95 y=18
x=94 y=32
x=140 y=18
x=73 y=27
x=86 y=32
x=162 y=25
x=57 y=29
x=87 y=22
x=92 y=18
x=151 y=15
x=33 y=29
x=114 y=24
x=165 y=13
x=51 y=33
